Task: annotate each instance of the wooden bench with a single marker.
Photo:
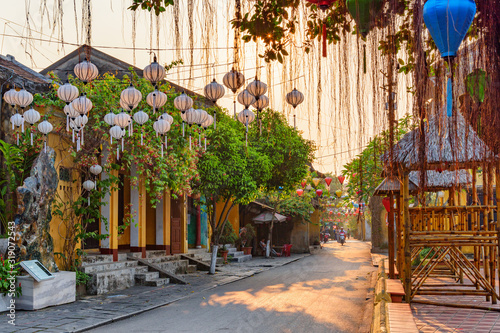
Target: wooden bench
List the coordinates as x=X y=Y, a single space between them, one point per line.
x=395 y=289
x=400 y=318
x=386 y=267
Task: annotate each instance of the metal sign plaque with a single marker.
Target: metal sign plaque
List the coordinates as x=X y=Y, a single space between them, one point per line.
x=36 y=270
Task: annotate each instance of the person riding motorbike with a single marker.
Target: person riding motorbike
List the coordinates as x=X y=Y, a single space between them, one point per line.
x=342 y=235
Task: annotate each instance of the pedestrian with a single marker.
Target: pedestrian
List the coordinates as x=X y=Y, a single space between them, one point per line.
x=348 y=233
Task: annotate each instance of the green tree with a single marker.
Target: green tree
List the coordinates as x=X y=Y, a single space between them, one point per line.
x=230 y=173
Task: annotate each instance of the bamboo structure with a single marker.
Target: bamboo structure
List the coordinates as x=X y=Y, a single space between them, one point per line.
x=453 y=153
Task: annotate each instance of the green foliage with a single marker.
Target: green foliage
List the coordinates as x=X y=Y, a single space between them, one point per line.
x=158 y=6
x=7 y=271
x=365 y=171
x=288 y=152
x=228 y=235
x=17 y=162
x=247 y=234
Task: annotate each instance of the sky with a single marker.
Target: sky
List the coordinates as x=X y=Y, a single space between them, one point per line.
x=37 y=43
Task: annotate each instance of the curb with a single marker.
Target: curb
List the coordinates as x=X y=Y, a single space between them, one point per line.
x=128 y=315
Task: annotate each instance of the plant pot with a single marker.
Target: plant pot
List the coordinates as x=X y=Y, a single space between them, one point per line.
x=81 y=290
x=224 y=255
x=4 y=302
x=247 y=249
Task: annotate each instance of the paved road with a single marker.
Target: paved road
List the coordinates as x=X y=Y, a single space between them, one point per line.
x=325 y=292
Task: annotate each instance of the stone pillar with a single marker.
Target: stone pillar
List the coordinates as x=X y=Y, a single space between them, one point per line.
x=138 y=225
x=198 y=227
x=110 y=212
x=184 y=229
x=166 y=221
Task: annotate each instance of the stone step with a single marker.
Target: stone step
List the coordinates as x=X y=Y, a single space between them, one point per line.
x=191 y=269
x=96 y=258
x=141 y=269
x=142 y=277
x=236 y=254
x=231 y=249
x=107 y=266
x=156 y=282
x=149 y=254
x=245 y=257
x=103 y=282
x=174 y=266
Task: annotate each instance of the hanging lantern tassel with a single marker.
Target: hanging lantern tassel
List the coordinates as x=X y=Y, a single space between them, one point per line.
x=77 y=143
x=166 y=142
x=45 y=144
x=189 y=141
x=122 y=144
x=324 y=39
x=142 y=142
x=31 y=137
x=73 y=136
x=18 y=139
x=111 y=140
x=67 y=123
x=132 y=127
x=118 y=153
x=22 y=127
x=199 y=139
x=183 y=128
x=162 y=150
x=205 y=143
x=81 y=143
x=129 y=130
x=215 y=120
x=88 y=200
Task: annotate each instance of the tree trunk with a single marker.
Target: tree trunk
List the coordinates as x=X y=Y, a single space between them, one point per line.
x=213 y=260
x=376 y=208
x=269 y=236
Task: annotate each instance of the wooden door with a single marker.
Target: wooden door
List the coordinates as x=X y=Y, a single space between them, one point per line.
x=175 y=235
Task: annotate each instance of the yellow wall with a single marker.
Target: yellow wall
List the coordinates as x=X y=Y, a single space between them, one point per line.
x=314 y=227
x=124 y=238
x=150 y=223
x=66 y=191
x=233 y=217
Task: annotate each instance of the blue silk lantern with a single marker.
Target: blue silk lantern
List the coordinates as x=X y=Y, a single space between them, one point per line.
x=448 y=21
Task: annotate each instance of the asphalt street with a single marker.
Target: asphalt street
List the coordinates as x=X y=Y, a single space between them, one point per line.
x=325 y=292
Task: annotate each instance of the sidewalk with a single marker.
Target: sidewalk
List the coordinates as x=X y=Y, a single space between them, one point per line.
x=93 y=311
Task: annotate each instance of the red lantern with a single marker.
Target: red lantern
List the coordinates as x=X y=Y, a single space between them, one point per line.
x=330 y=213
x=319 y=192
x=358 y=192
x=303 y=184
x=387 y=203
x=300 y=192
x=323 y=5
x=338 y=213
x=328 y=181
x=341 y=179
x=354 y=175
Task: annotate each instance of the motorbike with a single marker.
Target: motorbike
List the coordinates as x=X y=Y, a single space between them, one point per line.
x=325 y=237
x=342 y=239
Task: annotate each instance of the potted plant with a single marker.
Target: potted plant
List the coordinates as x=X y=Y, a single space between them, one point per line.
x=247 y=234
x=228 y=236
x=7 y=271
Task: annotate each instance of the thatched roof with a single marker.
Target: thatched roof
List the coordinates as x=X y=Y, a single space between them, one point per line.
x=437 y=181
x=392 y=185
x=449 y=143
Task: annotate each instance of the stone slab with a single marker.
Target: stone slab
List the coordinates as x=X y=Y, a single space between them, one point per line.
x=38 y=295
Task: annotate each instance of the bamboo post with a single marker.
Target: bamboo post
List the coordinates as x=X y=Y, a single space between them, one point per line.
x=486 y=201
x=497 y=188
x=398 y=232
x=391 y=236
x=406 y=237
x=491 y=250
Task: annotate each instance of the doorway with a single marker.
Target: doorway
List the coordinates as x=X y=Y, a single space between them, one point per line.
x=175 y=226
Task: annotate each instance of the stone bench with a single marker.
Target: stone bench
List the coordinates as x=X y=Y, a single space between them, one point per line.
x=395 y=289
x=400 y=318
